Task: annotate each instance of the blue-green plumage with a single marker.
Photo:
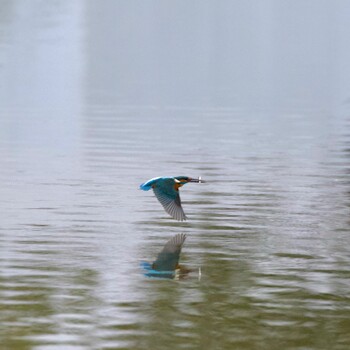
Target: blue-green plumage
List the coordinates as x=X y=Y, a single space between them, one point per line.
x=146 y=186
x=166 y=190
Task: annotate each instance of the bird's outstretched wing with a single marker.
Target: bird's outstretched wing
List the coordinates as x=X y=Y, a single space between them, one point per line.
x=170 y=199
x=168 y=258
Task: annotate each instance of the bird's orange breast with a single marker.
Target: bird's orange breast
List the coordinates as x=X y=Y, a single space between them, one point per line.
x=177 y=186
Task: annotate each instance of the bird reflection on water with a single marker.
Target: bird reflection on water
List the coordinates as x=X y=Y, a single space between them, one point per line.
x=167 y=263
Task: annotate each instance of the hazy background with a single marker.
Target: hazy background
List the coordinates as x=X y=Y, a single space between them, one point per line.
x=96 y=97
x=254 y=55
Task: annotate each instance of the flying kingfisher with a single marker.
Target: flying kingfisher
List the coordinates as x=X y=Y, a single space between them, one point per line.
x=166 y=190
x=167 y=263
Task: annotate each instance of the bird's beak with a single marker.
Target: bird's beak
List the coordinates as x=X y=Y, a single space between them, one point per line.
x=199 y=180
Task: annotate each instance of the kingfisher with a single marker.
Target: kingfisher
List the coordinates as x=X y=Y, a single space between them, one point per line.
x=167 y=263
x=166 y=190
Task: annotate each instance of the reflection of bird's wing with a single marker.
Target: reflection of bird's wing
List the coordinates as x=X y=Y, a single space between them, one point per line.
x=169 y=197
x=168 y=258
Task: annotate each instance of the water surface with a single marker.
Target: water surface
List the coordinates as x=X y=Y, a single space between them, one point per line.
x=97 y=98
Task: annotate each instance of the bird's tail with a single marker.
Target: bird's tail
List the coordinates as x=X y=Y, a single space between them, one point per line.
x=145 y=186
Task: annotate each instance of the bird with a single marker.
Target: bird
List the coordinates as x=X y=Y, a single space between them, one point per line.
x=167 y=263
x=166 y=189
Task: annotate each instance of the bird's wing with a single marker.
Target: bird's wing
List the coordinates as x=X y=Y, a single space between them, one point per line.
x=168 y=258
x=170 y=199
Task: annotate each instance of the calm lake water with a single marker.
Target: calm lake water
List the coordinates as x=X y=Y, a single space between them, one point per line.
x=98 y=97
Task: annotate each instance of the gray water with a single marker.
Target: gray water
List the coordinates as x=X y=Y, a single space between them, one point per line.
x=97 y=97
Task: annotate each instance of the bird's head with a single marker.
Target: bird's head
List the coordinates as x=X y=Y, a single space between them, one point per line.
x=182 y=180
